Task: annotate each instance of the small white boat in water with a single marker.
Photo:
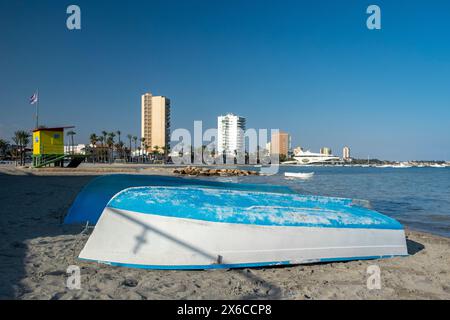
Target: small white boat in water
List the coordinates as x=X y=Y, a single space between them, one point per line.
x=203 y=228
x=402 y=165
x=299 y=175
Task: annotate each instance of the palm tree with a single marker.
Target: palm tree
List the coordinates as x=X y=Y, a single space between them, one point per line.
x=3 y=146
x=139 y=152
x=145 y=151
x=155 y=151
x=112 y=135
x=143 y=144
x=101 y=140
x=164 y=151
x=70 y=134
x=105 y=137
x=110 y=143
x=129 y=136
x=21 y=139
x=135 y=139
x=25 y=137
x=104 y=134
x=93 y=138
x=119 y=148
x=119 y=145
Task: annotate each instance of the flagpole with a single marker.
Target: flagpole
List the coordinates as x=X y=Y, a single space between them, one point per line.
x=37 y=109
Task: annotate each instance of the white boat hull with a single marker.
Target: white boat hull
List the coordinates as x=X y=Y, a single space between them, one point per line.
x=139 y=240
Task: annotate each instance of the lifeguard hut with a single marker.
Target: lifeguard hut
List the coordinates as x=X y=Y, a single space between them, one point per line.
x=48 y=148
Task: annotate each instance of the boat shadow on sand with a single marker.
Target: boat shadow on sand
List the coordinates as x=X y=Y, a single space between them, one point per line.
x=414 y=247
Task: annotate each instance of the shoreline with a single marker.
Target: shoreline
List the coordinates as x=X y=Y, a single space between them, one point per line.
x=36 y=251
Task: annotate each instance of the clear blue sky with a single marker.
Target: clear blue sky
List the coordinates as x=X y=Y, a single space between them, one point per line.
x=310 y=68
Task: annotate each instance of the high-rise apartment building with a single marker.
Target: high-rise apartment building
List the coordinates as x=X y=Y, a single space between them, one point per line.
x=155 y=122
x=230 y=134
x=280 y=144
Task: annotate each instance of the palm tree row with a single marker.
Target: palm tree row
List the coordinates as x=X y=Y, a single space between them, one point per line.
x=108 y=145
x=103 y=146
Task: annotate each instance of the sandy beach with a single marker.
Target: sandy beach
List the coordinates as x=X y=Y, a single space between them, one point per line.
x=36 y=250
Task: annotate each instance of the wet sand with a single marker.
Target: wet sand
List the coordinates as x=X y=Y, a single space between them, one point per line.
x=35 y=251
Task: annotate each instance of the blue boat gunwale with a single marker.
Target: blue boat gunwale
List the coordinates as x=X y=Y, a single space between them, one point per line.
x=239 y=265
x=72 y=217
x=388 y=223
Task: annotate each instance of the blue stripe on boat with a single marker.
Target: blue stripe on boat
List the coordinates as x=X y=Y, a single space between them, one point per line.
x=233 y=266
x=249 y=207
x=192 y=267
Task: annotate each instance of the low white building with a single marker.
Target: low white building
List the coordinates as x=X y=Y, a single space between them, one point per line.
x=76 y=149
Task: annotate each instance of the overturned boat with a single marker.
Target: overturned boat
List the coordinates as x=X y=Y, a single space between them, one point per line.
x=193 y=227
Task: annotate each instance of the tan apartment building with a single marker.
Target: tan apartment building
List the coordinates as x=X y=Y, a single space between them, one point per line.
x=280 y=144
x=155 y=122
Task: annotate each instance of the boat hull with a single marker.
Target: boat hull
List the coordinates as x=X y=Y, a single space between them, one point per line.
x=142 y=240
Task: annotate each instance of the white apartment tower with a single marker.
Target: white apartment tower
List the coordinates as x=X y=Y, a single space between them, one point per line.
x=155 y=122
x=230 y=134
x=346 y=153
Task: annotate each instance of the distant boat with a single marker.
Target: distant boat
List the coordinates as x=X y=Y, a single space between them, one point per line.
x=401 y=166
x=163 y=228
x=436 y=165
x=308 y=157
x=299 y=175
x=258 y=166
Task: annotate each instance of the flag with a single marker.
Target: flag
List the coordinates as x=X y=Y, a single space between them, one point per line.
x=34 y=98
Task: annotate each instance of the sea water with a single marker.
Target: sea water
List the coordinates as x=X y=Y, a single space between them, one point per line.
x=417 y=197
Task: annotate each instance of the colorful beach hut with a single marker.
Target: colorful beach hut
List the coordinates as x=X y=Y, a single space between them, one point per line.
x=48 y=146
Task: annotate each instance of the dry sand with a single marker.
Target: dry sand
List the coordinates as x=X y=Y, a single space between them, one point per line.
x=35 y=251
